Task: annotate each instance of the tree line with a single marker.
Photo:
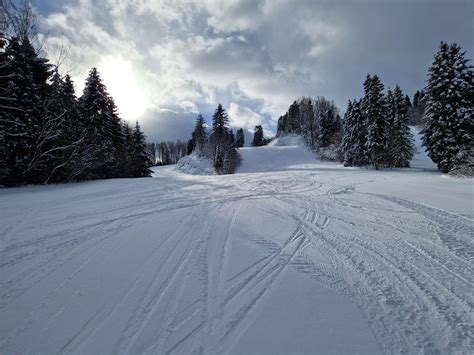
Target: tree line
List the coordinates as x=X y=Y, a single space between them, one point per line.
x=167 y=152
x=47 y=134
x=374 y=130
x=317 y=120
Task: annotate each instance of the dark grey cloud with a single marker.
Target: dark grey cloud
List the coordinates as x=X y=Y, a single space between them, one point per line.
x=255 y=57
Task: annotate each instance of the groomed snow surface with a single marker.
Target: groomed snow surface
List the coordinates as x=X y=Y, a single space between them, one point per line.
x=290 y=255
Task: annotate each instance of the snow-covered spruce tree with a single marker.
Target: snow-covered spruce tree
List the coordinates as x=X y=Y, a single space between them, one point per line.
x=373 y=106
x=232 y=158
x=258 y=138
x=127 y=133
x=240 y=138
x=140 y=159
x=199 y=136
x=290 y=122
x=104 y=129
x=308 y=123
x=222 y=150
x=23 y=92
x=354 y=135
x=449 y=112
x=57 y=142
x=399 y=144
x=328 y=123
x=347 y=143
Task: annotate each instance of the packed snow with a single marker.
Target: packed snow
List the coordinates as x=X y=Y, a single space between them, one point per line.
x=289 y=255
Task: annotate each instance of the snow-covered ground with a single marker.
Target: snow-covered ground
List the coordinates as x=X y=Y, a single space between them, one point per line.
x=289 y=255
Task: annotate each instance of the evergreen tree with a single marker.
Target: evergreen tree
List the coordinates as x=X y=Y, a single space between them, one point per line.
x=354 y=135
x=399 y=146
x=415 y=111
x=219 y=136
x=240 y=138
x=231 y=157
x=258 y=139
x=329 y=125
x=449 y=111
x=22 y=101
x=373 y=105
x=221 y=146
x=293 y=121
x=104 y=128
x=199 y=136
x=308 y=123
x=347 y=144
x=140 y=158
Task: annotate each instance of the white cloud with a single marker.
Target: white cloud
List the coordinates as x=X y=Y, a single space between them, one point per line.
x=243 y=117
x=255 y=57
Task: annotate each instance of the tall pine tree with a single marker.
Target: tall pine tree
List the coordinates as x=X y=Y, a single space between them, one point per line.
x=449 y=110
x=199 y=136
x=399 y=148
x=140 y=159
x=104 y=128
x=258 y=139
x=373 y=105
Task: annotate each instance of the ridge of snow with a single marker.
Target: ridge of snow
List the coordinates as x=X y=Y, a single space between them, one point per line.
x=288 y=140
x=194 y=164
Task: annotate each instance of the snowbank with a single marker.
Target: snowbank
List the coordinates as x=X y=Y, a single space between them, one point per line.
x=195 y=165
x=289 y=140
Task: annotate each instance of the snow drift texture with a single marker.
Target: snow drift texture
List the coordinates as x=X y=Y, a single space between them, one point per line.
x=310 y=255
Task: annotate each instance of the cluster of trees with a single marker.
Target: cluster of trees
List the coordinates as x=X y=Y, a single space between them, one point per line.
x=375 y=128
x=48 y=135
x=449 y=110
x=165 y=153
x=317 y=120
x=220 y=145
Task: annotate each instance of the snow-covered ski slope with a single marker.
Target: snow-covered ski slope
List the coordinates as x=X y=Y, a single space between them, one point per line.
x=306 y=257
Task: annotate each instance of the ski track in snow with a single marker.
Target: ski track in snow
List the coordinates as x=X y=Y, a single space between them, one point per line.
x=150 y=265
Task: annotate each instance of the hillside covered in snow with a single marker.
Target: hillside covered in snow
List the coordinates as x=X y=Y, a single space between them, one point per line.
x=288 y=255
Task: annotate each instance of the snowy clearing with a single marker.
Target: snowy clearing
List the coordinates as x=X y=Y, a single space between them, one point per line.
x=306 y=257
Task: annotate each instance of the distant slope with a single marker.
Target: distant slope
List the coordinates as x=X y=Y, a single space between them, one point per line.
x=420 y=160
x=286 y=153
x=289 y=153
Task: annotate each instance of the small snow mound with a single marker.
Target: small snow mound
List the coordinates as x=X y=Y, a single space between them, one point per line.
x=195 y=165
x=289 y=140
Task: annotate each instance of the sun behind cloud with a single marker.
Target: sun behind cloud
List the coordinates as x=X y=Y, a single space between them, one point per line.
x=130 y=97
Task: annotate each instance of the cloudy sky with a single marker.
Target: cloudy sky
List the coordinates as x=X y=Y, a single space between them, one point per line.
x=166 y=61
